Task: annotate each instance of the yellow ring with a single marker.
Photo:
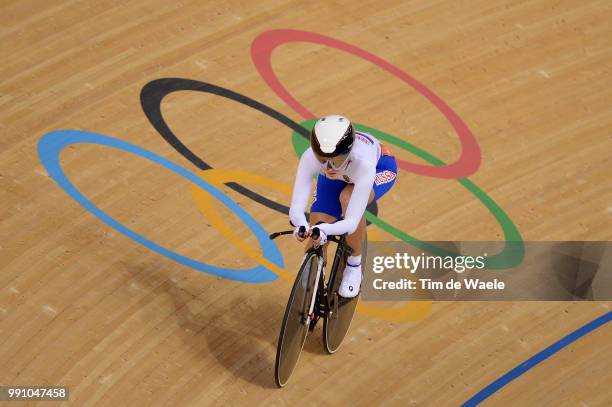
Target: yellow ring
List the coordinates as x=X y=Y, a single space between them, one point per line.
x=205 y=204
x=410 y=312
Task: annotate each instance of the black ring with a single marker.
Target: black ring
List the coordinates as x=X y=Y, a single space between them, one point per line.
x=151 y=97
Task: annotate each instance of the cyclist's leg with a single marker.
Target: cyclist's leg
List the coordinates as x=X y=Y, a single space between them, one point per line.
x=355 y=239
x=326 y=204
x=386 y=174
x=352 y=276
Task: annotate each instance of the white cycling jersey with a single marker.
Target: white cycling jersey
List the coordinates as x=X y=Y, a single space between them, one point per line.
x=358 y=169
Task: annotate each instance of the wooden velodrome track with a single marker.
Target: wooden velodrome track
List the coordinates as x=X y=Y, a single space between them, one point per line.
x=85 y=306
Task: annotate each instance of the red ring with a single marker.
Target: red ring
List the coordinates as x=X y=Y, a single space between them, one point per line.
x=266 y=42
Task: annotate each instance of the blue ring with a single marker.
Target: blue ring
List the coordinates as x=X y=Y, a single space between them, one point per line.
x=49 y=148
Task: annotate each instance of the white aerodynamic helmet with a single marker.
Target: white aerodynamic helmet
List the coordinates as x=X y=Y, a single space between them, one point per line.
x=332 y=136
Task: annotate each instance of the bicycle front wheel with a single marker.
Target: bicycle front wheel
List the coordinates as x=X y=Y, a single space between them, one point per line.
x=338 y=322
x=295 y=322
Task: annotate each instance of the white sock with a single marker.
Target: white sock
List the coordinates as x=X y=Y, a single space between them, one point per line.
x=353 y=261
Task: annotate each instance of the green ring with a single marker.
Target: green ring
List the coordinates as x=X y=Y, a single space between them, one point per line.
x=514 y=249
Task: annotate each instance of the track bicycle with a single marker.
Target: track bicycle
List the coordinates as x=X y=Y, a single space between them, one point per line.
x=313 y=298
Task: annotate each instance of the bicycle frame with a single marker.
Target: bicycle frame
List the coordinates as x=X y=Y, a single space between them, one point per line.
x=328 y=306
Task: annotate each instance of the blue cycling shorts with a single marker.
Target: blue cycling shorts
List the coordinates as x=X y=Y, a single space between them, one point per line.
x=327 y=194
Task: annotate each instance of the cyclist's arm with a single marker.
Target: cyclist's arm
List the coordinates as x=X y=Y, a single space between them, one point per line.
x=308 y=168
x=356 y=206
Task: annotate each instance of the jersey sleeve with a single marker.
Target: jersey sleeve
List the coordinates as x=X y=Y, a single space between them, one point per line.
x=308 y=168
x=358 y=202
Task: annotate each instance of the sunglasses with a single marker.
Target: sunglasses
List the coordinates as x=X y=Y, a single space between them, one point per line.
x=335 y=162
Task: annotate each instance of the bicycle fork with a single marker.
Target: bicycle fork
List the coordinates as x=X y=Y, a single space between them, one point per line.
x=310 y=316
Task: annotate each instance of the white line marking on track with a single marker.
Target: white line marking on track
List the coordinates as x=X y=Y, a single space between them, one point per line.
x=544 y=73
x=49 y=310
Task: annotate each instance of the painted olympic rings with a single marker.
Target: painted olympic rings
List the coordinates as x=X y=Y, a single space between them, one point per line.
x=271 y=262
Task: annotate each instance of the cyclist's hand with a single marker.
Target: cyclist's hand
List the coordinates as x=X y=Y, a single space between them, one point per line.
x=301 y=233
x=318 y=236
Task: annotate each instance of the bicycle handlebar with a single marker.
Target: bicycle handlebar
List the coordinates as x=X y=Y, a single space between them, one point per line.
x=277 y=234
x=315 y=234
x=333 y=238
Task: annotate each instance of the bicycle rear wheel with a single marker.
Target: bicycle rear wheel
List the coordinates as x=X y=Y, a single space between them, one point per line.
x=295 y=327
x=336 y=325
